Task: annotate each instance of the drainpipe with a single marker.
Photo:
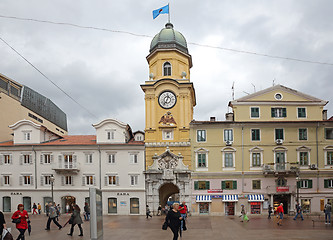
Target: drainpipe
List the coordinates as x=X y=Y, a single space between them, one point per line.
x=35 y=160
x=100 y=167
x=242 y=159
x=317 y=156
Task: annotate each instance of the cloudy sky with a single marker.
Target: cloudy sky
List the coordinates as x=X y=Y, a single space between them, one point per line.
x=103 y=70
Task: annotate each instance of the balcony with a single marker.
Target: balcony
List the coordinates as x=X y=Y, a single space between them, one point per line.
x=66 y=167
x=280 y=168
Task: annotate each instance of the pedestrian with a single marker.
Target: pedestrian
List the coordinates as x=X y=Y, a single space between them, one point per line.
x=280 y=212
x=34 y=209
x=173 y=220
x=270 y=211
x=20 y=218
x=166 y=209
x=76 y=219
x=86 y=211
x=47 y=208
x=298 y=211
x=52 y=217
x=39 y=207
x=243 y=214
x=2 y=224
x=159 y=210
x=183 y=213
x=59 y=210
x=67 y=208
x=327 y=210
x=148 y=214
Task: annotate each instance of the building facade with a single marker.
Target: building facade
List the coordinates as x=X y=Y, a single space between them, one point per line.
x=111 y=161
x=275 y=146
x=169 y=102
x=19 y=102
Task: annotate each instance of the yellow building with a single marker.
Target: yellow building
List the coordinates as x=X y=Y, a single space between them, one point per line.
x=18 y=102
x=169 y=102
x=276 y=146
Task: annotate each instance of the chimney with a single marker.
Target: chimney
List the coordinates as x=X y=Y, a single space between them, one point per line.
x=212 y=119
x=229 y=117
x=324 y=114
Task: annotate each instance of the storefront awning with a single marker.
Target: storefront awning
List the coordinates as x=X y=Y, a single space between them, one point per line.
x=203 y=198
x=256 y=198
x=230 y=198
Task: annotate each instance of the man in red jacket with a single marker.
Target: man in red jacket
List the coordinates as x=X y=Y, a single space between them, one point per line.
x=280 y=211
x=183 y=212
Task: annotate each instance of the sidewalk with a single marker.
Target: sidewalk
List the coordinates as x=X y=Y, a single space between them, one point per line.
x=199 y=227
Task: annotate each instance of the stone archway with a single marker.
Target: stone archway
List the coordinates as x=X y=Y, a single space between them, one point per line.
x=167 y=190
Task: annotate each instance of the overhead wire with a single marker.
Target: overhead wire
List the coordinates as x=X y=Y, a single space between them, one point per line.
x=147 y=36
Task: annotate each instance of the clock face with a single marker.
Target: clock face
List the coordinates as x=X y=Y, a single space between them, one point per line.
x=167 y=99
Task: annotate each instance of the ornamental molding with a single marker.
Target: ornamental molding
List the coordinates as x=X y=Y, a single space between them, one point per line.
x=166 y=144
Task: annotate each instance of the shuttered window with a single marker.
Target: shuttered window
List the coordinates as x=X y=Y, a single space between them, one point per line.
x=201 y=185
x=229 y=185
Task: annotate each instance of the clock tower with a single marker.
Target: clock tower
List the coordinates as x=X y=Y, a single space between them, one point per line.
x=169 y=102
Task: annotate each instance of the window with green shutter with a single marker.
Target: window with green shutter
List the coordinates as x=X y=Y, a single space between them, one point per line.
x=328 y=183
x=304 y=183
x=223 y=186
x=201 y=185
x=196 y=185
x=229 y=185
x=254 y=112
x=202 y=160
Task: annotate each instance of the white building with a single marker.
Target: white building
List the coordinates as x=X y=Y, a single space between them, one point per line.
x=112 y=160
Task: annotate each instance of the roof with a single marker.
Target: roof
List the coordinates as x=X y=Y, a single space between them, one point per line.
x=70 y=140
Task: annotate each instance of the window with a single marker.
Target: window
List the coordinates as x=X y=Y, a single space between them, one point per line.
x=201 y=185
x=329 y=133
x=112 y=205
x=329 y=158
x=256 y=159
x=201 y=135
x=68 y=180
x=89 y=158
x=229 y=185
x=167 y=69
x=26 y=159
x=112 y=158
x=279 y=134
x=256 y=184
x=306 y=205
x=47 y=158
x=89 y=180
x=134 y=180
x=47 y=179
x=228 y=160
x=328 y=183
x=304 y=184
x=255 y=133
x=278 y=112
x=303 y=158
x=302 y=134
x=167 y=134
x=111 y=180
x=278 y=96
x=202 y=160
x=27 y=136
x=254 y=112
x=134 y=158
x=281 y=182
x=110 y=135
x=68 y=162
x=301 y=112
x=7 y=159
x=6 y=181
x=228 y=135
x=27 y=180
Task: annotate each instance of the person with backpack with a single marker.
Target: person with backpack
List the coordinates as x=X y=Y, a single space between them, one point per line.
x=52 y=217
x=328 y=210
x=298 y=211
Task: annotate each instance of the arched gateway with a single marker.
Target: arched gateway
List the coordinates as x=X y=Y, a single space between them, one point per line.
x=167 y=176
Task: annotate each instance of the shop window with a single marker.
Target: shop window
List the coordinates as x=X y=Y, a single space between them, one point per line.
x=255 y=207
x=256 y=184
x=203 y=207
x=27 y=203
x=201 y=185
x=229 y=185
x=306 y=205
x=6 y=204
x=112 y=205
x=134 y=206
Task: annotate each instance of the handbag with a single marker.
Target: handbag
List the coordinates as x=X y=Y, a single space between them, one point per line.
x=71 y=220
x=165 y=226
x=16 y=220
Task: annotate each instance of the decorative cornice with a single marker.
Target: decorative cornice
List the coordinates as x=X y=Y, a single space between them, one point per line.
x=165 y=144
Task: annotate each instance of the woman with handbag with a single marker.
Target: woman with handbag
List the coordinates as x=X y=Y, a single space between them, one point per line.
x=173 y=220
x=20 y=218
x=76 y=219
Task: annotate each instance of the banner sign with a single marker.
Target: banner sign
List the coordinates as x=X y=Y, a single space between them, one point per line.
x=282 y=189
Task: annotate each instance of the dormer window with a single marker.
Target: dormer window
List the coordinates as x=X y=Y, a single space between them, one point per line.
x=110 y=134
x=167 y=69
x=27 y=136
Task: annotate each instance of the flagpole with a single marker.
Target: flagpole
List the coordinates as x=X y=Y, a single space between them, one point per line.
x=169 y=12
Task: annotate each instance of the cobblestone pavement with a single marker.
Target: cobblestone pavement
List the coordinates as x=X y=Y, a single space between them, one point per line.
x=199 y=227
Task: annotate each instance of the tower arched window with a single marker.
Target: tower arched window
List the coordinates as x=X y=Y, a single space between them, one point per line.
x=167 y=69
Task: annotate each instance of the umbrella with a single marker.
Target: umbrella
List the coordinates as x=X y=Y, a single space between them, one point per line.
x=67 y=222
x=29 y=227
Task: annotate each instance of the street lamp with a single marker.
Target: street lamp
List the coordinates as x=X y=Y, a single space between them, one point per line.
x=52 y=182
x=297 y=188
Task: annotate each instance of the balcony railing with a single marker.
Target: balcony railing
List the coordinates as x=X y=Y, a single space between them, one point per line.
x=63 y=167
x=280 y=168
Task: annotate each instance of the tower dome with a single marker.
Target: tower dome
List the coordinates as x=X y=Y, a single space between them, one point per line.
x=169 y=38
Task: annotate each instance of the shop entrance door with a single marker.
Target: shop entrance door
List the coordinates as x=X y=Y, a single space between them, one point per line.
x=282 y=198
x=27 y=203
x=7 y=205
x=229 y=208
x=67 y=200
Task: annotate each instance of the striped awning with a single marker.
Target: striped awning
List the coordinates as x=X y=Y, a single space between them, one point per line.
x=256 y=198
x=230 y=198
x=203 y=198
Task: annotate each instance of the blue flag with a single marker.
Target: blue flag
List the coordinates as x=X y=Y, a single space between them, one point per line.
x=162 y=10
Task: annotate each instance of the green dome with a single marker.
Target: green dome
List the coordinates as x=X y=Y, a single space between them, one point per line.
x=169 y=38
